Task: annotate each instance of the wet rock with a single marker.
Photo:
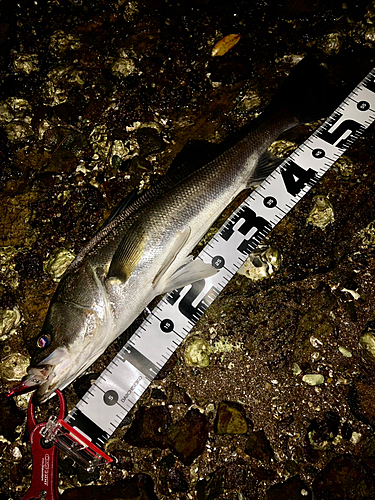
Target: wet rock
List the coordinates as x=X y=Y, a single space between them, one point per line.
x=321 y=433
x=197 y=352
x=331 y=43
x=313 y=379
x=292 y=467
x=13 y=367
x=236 y=476
x=345 y=352
x=361 y=401
x=344 y=477
x=60 y=42
x=149 y=427
x=62 y=161
x=188 y=436
x=257 y=446
x=138 y=487
x=261 y=263
x=149 y=140
x=177 y=395
x=230 y=419
x=58 y=262
x=26 y=63
x=292 y=489
x=6 y=114
x=158 y=394
x=177 y=480
x=10 y=417
x=123 y=66
x=10 y=319
x=18 y=131
x=212 y=487
x=123 y=459
x=368 y=452
x=168 y=461
x=367 y=342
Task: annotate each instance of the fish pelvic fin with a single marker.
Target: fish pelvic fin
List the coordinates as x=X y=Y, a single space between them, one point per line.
x=169 y=278
x=190 y=271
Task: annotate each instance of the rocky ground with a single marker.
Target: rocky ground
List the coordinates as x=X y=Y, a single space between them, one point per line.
x=272 y=394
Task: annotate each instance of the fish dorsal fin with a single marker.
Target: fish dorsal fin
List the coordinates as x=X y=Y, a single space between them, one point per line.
x=121 y=207
x=169 y=278
x=128 y=254
x=266 y=165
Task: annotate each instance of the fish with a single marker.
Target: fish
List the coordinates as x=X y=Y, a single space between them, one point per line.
x=144 y=249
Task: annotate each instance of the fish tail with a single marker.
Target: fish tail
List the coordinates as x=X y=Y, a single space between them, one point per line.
x=305 y=92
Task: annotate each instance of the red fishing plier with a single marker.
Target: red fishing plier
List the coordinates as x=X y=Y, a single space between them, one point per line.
x=45 y=456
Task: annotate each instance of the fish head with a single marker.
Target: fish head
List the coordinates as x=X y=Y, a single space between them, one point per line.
x=69 y=342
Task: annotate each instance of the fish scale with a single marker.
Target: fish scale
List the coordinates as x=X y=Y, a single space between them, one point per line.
x=101 y=410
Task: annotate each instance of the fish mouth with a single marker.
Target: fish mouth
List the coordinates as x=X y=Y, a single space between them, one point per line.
x=37 y=379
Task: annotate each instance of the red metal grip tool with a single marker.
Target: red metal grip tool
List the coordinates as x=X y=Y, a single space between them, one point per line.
x=45 y=456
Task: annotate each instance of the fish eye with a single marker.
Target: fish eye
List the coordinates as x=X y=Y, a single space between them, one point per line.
x=43 y=341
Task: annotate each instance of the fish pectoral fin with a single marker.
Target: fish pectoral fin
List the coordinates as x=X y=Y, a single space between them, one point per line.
x=267 y=163
x=128 y=254
x=189 y=272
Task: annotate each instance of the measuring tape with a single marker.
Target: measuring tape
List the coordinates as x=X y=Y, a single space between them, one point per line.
x=102 y=409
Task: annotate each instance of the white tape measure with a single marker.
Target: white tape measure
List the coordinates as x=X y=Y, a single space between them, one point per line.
x=122 y=383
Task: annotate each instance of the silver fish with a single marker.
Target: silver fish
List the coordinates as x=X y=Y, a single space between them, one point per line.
x=144 y=251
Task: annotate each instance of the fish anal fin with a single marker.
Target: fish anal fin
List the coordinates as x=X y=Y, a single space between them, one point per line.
x=267 y=163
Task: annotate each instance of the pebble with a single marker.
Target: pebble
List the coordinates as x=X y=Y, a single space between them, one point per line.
x=188 y=437
x=58 y=262
x=257 y=446
x=344 y=477
x=322 y=212
x=197 y=352
x=261 y=264
x=177 y=480
x=361 y=401
x=313 y=379
x=18 y=131
x=367 y=342
x=25 y=63
x=10 y=319
x=345 y=352
x=230 y=419
x=149 y=427
x=138 y=487
x=14 y=367
x=292 y=489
